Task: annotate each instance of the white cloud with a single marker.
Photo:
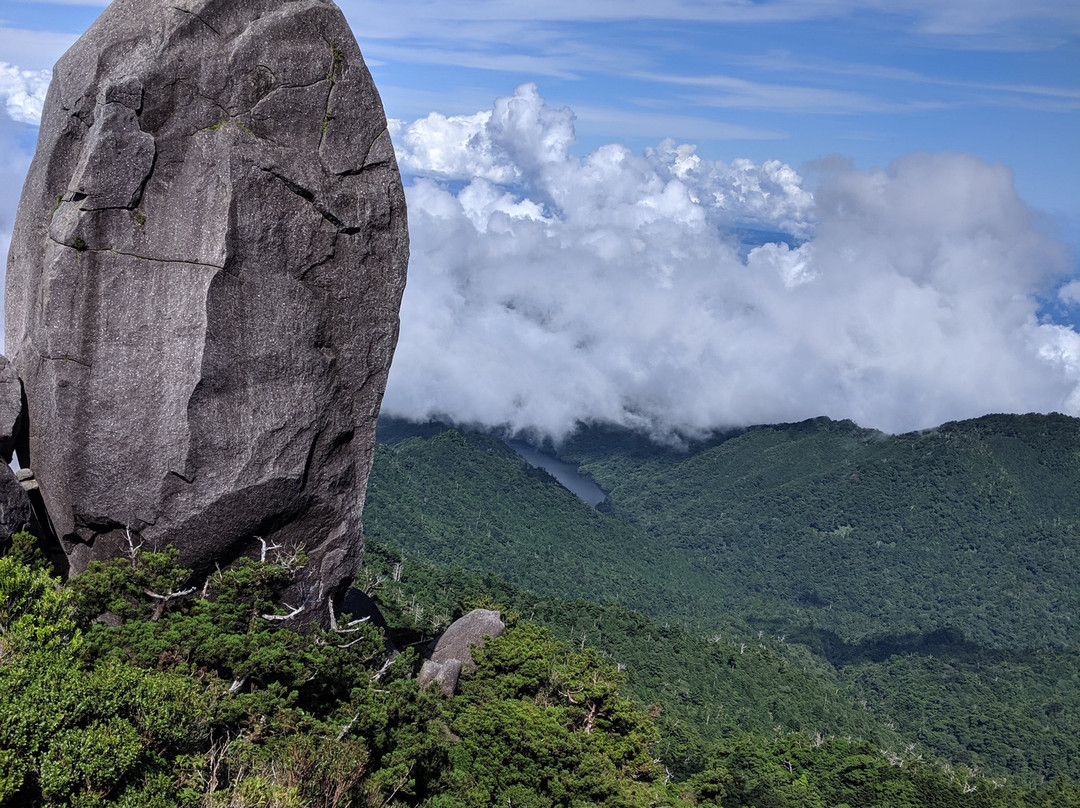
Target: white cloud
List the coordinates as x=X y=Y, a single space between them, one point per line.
x=731 y=92
x=652 y=123
x=547 y=289
x=939 y=16
x=23 y=92
x=1070 y=293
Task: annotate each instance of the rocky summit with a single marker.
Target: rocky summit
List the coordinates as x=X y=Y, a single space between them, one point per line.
x=203 y=285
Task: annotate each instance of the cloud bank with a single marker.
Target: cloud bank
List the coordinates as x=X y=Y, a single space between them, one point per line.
x=22 y=92
x=546 y=289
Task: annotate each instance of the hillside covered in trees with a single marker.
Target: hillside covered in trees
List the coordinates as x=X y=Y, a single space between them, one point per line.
x=795 y=616
x=203 y=699
x=931 y=578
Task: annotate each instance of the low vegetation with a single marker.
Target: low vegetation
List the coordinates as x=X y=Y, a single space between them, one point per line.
x=679 y=647
x=121 y=688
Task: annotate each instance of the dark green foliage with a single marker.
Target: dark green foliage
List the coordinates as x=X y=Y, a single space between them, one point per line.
x=702 y=688
x=89 y=720
x=770 y=767
x=994 y=711
x=827 y=526
x=897 y=570
x=799 y=772
x=543 y=725
x=470 y=500
x=71 y=733
x=126 y=689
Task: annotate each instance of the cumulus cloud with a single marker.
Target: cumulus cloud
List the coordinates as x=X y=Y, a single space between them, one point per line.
x=547 y=289
x=23 y=92
x=522 y=144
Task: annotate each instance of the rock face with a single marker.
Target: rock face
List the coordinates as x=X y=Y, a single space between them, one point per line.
x=12 y=416
x=16 y=511
x=204 y=281
x=452 y=651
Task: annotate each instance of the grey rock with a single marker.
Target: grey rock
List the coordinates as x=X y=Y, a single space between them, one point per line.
x=203 y=285
x=451 y=653
x=12 y=416
x=464 y=633
x=16 y=512
x=444 y=675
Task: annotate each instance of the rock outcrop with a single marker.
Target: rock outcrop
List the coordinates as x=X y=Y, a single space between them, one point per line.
x=12 y=412
x=203 y=284
x=16 y=510
x=451 y=653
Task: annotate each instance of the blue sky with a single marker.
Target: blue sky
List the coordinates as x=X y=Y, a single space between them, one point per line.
x=789 y=80
x=794 y=82
x=824 y=102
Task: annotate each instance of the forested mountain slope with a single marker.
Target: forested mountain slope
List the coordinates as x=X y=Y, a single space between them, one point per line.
x=822 y=525
x=934 y=574
x=1001 y=713
x=469 y=499
x=812 y=528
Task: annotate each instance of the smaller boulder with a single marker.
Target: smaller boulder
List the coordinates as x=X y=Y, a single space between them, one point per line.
x=452 y=651
x=443 y=674
x=471 y=629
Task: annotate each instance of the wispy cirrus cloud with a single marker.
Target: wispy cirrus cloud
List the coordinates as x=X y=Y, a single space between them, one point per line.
x=739 y=93
x=658 y=124
x=994 y=24
x=89 y=3
x=533 y=64
x=1049 y=97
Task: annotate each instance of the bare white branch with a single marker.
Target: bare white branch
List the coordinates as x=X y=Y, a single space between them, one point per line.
x=266 y=547
x=182 y=593
x=381 y=672
x=163 y=601
x=350 y=627
x=345 y=729
x=295 y=611
x=133 y=549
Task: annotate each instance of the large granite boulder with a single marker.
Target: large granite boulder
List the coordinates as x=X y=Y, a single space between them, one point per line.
x=203 y=285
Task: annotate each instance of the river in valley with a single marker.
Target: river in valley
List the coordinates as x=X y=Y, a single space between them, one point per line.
x=566 y=473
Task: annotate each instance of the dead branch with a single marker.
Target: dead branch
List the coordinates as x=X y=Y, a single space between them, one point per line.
x=163 y=600
x=295 y=611
x=133 y=549
x=381 y=672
